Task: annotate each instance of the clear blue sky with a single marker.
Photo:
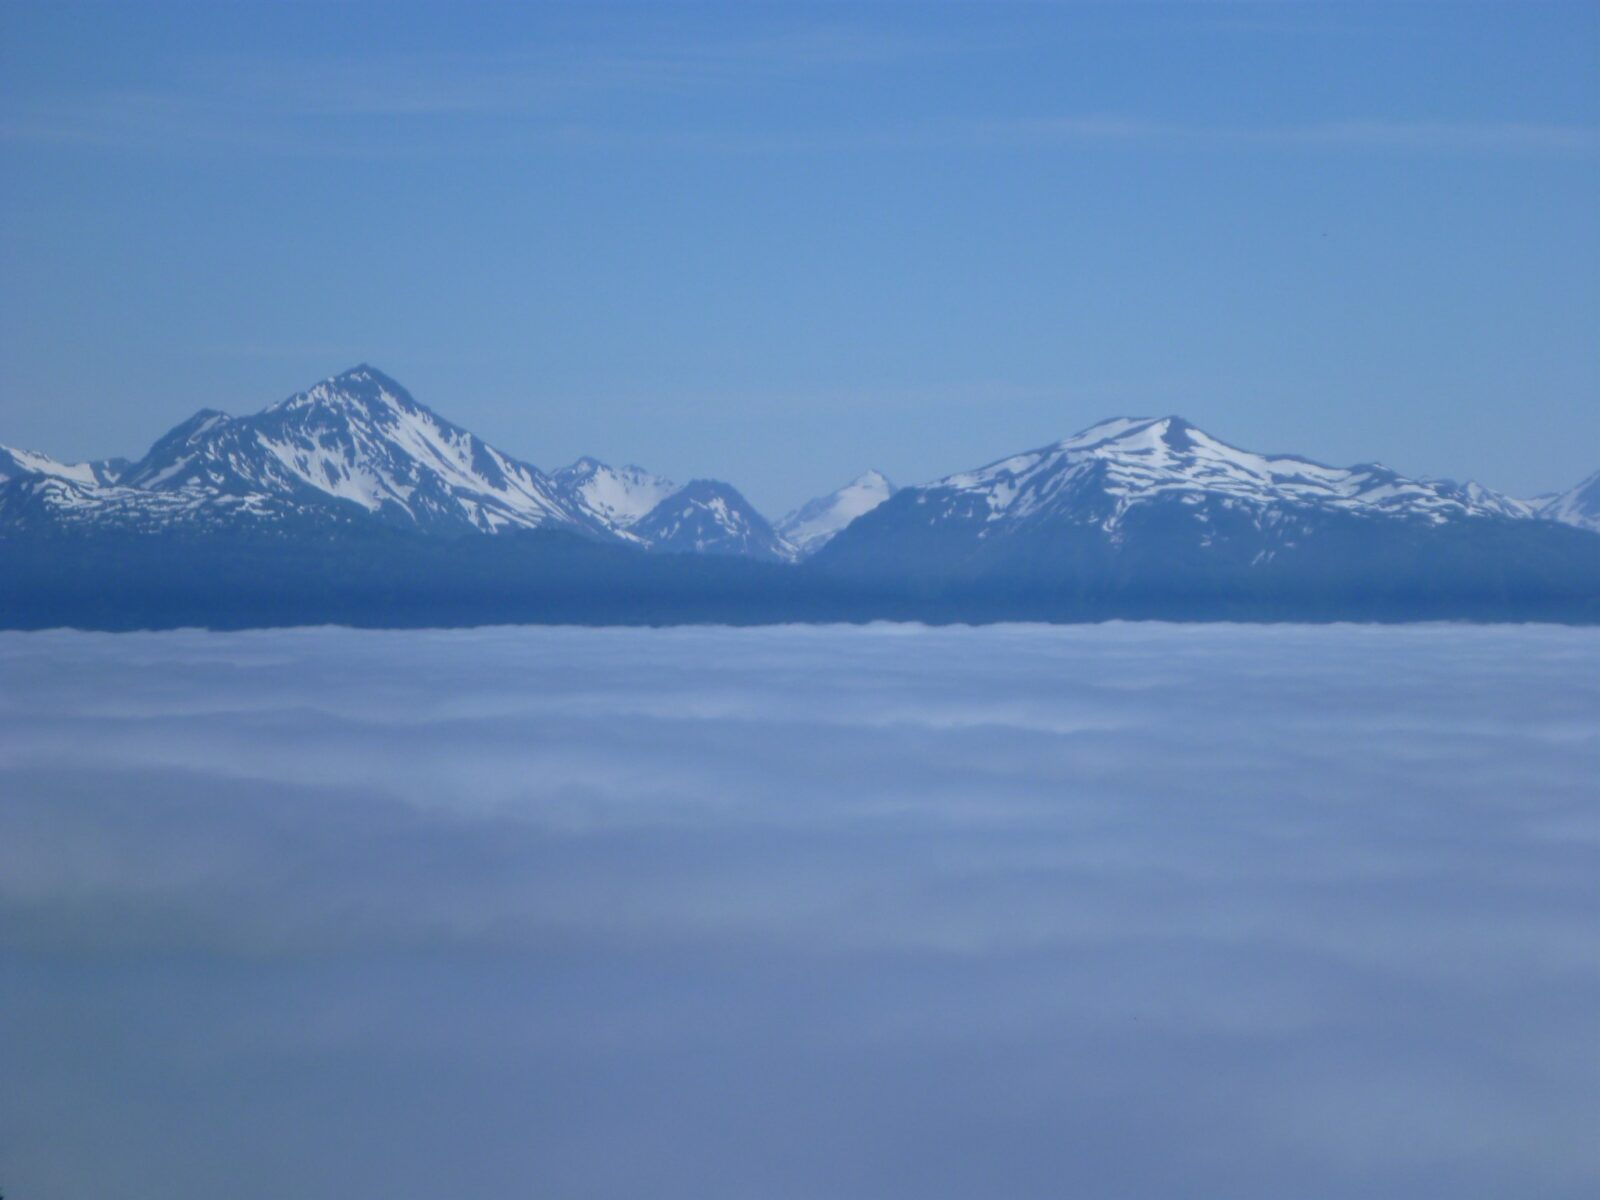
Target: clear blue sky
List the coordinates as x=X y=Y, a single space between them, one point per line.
x=778 y=244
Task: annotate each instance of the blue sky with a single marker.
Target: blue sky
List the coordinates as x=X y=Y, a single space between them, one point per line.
x=779 y=244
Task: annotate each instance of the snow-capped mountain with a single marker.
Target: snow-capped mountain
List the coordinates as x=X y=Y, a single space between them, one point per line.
x=16 y=463
x=1147 y=487
x=813 y=524
x=329 y=506
x=1580 y=506
x=1128 y=503
x=356 y=447
x=361 y=439
x=1099 y=474
x=616 y=496
x=710 y=517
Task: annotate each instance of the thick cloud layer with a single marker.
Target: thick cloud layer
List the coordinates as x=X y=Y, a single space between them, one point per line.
x=1012 y=912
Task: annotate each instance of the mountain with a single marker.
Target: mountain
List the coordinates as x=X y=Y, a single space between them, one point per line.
x=710 y=517
x=615 y=496
x=1111 y=467
x=352 y=502
x=1158 y=509
x=358 y=439
x=1099 y=477
x=811 y=526
x=358 y=447
x=1580 y=506
x=706 y=517
x=17 y=463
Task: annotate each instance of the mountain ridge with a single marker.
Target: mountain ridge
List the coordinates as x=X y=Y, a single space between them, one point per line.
x=361 y=437
x=1147 y=515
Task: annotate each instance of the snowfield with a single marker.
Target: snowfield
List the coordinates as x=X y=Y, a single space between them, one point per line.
x=1128 y=910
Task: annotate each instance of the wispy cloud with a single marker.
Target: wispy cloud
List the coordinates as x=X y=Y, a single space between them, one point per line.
x=389 y=104
x=529 y=78
x=1474 y=137
x=314 y=104
x=361 y=117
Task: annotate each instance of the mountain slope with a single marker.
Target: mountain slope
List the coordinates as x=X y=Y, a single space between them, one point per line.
x=815 y=523
x=710 y=517
x=17 y=463
x=1579 y=506
x=616 y=496
x=43 y=505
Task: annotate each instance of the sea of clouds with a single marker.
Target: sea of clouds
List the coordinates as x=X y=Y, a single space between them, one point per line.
x=1115 y=911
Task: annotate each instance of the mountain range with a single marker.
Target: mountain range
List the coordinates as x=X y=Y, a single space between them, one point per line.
x=359 y=447
x=1132 y=516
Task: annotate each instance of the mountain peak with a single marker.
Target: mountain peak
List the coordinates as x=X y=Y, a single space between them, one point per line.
x=616 y=497
x=1132 y=426
x=1098 y=475
x=1578 y=506
x=358 y=439
x=204 y=419
x=162 y=461
x=365 y=373
x=1172 y=431
x=707 y=516
x=709 y=489
x=362 y=387
x=814 y=524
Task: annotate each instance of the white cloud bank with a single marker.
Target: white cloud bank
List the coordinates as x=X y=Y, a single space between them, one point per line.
x=1122 y=911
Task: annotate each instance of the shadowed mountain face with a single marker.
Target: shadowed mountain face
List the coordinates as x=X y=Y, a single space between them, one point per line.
x=1132 y=517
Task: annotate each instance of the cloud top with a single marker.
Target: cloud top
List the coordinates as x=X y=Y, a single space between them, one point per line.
x=887 y=911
